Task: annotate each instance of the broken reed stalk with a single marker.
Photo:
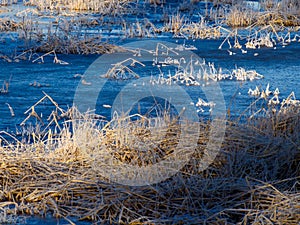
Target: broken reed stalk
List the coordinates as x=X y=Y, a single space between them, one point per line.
x=5 y=86
x=4 y=89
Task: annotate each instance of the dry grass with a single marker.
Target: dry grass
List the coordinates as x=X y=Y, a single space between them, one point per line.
x=140 y=29
x=284 y=13
x=7 y=24
x=66 y=36
x=182 y=27
x=255 y=178
x=103 y=7
x=240 y=17
x=8 y=2
x=78 y=34
x=282 y=19
x=285 y=6
x=76 y=46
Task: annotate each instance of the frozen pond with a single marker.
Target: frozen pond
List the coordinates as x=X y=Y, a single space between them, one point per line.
x=280 y=68
x=27 y=80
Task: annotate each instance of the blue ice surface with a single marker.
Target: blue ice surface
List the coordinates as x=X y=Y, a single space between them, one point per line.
x=49 y=220
x=280 y=67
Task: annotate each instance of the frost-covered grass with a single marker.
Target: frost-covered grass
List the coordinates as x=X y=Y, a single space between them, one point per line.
x=103 y=7
x=55 y=169
x=254 y=178
x=67 y=30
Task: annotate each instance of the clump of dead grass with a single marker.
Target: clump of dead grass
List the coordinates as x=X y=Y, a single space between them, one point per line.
x=63 y=36
x=240 y=17
x=182 y=27
x=7 y=24
x=103 y=7
x=141 y=29
x=278 y=18
x=93 y=45
x=283 y=13
x=285 y=6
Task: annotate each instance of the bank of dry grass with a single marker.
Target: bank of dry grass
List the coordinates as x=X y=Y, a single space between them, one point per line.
x=241 y=17
x=284 y=13
x=254 y=179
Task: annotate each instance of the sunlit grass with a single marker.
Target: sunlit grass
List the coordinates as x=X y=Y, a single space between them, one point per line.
x=254 y=179
x=255 y=173
x=104 y=6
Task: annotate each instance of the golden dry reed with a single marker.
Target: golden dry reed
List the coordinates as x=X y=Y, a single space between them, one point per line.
x=254 y=179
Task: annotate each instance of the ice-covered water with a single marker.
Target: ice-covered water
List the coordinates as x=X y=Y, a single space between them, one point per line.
x=280 y=67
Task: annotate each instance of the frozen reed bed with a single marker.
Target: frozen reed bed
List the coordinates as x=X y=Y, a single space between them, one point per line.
x=190 y=76
x=269 y=102
x=234 y=19
x=78 y=27
x=176 y=69
x=263 y=27
x=180 y=26
x=103 y=7
x=254 y=178
x=67 y=36
x=243 y=14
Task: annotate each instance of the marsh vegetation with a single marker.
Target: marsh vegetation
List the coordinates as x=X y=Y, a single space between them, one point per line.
x=51 y=164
